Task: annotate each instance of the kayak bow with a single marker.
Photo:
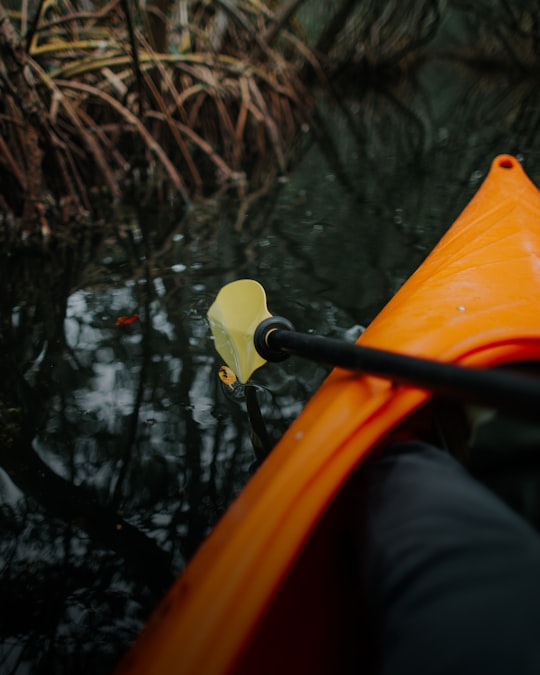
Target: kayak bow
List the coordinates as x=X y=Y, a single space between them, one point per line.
x=269 y=591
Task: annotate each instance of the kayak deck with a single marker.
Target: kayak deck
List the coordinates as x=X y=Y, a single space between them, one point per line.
x=272 y=588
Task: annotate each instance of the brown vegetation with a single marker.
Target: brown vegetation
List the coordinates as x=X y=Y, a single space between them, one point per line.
x=180 y=98
x=90 y=107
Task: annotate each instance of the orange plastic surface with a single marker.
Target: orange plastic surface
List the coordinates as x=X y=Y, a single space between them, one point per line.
x=269 y=591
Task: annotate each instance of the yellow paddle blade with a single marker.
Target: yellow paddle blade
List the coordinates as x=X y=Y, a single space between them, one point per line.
x=235 y=314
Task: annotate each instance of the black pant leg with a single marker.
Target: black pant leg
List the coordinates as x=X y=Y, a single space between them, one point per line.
x=450 y=575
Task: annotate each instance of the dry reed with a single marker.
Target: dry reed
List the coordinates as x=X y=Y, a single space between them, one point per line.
x=89 y=107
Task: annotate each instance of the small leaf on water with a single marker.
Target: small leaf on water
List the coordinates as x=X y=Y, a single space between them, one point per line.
x=126 y=320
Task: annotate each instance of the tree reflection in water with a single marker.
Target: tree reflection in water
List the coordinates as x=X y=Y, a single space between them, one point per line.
x=119 y=446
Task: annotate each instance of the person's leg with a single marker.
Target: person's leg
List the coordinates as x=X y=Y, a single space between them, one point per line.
x=451 y=576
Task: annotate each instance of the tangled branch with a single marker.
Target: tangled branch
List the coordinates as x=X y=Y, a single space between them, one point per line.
x=89 y=106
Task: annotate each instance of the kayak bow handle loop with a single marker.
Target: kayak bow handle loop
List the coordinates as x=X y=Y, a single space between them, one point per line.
x=263 y=334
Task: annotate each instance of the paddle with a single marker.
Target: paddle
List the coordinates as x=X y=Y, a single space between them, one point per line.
x=247 y=336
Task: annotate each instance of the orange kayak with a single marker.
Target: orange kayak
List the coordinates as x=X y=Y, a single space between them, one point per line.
x=269 y=590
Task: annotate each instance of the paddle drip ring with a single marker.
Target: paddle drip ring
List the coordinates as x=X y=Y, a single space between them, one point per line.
x=263 y=332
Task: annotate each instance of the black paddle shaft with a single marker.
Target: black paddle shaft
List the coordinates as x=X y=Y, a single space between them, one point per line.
x=515 y=394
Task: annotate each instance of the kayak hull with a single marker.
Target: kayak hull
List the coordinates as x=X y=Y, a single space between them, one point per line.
x=271 y=589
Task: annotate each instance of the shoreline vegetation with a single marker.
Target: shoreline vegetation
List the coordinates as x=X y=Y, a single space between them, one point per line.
x=176 y=100
x=91 y=109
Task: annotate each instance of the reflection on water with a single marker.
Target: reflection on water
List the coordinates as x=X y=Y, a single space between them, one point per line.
x=120 y=446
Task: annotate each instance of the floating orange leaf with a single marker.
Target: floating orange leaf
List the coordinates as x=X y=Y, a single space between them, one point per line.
x=126 y=320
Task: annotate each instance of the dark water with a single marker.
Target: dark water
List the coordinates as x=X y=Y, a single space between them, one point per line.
x=120 y=447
